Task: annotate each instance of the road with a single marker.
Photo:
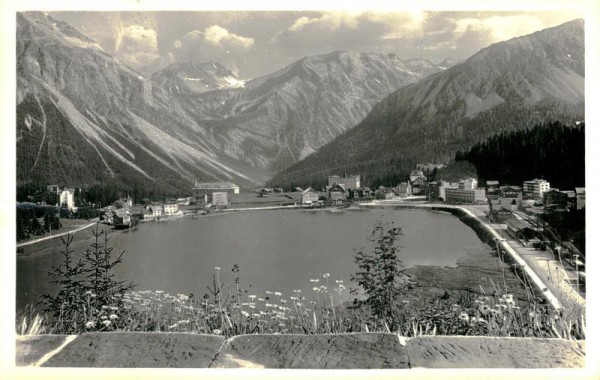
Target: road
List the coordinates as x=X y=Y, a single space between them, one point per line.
x=29 y=242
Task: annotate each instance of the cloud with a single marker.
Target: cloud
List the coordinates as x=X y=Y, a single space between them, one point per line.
x=135 y=45
x=217 y=35
x=328 y=21
x=499 y=28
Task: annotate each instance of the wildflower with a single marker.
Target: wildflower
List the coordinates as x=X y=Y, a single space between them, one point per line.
x=104 y=307
x=261 y=299
x=269 y=305
x=325 y=275
x=297 y=291
x=464 y=316
x=114 y=308
x=316 y=289
x=298 y=304
x=252 y=296
x=283 y=301
x=268 y=292
x=106 y=323
x=184 y=321
x=245 y=314
x=342 y=287
x=339 y=281
x=218 y=268
x=90 y=325
x=217 y=331
x=314 y=280
x=89 y=293
x=104 y=317
x=277 y=293
x=113 y=317
x=294 y=298
x=160 y=291
x=172 y=326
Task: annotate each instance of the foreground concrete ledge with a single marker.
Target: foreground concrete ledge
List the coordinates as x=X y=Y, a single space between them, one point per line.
x=335 y=351
x=494 y=352
x=327 y=351
x=138 y=350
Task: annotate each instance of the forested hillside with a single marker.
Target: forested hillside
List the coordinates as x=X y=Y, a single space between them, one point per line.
x=553 y=151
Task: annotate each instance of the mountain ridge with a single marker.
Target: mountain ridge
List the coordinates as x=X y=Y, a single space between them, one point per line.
x=506 y=86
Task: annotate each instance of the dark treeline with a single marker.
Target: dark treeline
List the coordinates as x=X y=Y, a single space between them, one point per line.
x=553 y=151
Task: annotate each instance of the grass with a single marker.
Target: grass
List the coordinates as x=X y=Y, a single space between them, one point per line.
x=228 y=310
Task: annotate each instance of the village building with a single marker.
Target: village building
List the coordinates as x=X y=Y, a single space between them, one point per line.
x=67 y=198
x=418 y=186
x=207 y=189
x=433 y=191
x=467 y=184
x=404 y=189
x=580 y=194
x=465 y=196
x=555 y=198
x=220 y=199
x=535 y=188
x=520 y=229
x=384 y=193
x=510 y=197
x=337 y=193
x=156 y=209
x=443 y=186
x=53 y=189
x=347 y=181
x=310 y=196
x=170 y=208
x=492 y=185
x=498 y=214
x=360 y=193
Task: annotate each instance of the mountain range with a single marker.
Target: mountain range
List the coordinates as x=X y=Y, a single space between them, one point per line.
x=507 y=86
x=84 y=118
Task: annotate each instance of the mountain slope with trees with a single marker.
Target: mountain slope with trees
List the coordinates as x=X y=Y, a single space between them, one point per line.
x=507 y=86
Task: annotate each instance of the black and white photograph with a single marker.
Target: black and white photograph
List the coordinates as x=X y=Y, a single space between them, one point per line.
x=310 y=187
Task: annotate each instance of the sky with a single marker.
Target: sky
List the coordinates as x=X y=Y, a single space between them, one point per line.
x=255 y=43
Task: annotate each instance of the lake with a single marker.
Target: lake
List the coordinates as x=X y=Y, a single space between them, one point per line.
x=278 y=250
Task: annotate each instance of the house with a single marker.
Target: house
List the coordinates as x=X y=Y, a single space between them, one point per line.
x=555 y=198
x=414 y=174
x=404 y=189
x=535 y=188
x=433 y=191
x=220 y=199
x=170 y=208
x=580 y=194
x=347 y=181
x=156 y=209
x=418 y=185
x=384 y=193
x=122 y=218
x=443 y=186
x=67 y=198
x=520 y=229
x=467 y=184
x=510 y=197
x=465 y=196
x=53 y=189
x=310 y=196
x=360 y=193
x=492 y=185
x=337 y=193
x=499 y=214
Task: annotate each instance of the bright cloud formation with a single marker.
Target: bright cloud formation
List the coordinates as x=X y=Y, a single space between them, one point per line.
x=217 y=35
x=136 y=44
x=500 y=28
